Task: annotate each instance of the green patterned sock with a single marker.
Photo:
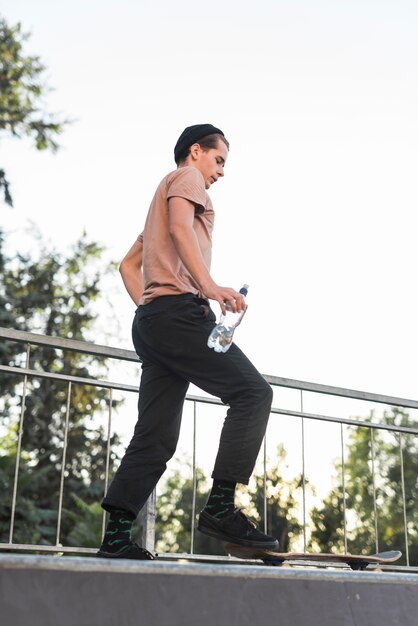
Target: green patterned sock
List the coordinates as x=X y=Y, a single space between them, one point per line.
x=118 y=532
x=221 y=499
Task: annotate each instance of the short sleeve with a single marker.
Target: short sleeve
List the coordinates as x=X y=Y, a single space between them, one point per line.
x=188 y=183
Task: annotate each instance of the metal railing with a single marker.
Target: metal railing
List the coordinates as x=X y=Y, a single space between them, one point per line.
x=26 y=373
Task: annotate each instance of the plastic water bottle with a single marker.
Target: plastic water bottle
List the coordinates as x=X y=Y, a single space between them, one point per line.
x=221 y=336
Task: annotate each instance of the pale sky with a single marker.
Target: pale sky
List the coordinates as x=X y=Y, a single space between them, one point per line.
x=319 y=101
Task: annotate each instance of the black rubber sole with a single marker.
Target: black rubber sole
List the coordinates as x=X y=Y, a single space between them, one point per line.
x=134 y=552
x=262 y=545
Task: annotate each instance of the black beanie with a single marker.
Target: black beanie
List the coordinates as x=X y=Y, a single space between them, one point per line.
x=191 y=135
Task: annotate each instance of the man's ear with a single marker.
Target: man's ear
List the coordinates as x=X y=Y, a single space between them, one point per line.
x=195 y=150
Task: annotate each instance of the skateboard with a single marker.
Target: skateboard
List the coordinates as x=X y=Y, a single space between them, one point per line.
x=355 y=561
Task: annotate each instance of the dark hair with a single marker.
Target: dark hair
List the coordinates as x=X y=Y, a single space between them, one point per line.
x=206 y=143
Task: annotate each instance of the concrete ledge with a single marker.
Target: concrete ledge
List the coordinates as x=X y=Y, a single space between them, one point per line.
x=78 y=591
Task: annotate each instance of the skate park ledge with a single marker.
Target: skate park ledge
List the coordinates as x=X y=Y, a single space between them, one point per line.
x=83 y=591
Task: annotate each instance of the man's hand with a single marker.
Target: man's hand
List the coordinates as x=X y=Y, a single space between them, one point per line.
x=225 y=295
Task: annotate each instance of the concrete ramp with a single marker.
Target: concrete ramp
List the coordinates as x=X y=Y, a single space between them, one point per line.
x=78 y=591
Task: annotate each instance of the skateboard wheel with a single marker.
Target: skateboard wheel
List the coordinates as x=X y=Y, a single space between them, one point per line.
x=361 y=565
x=272 y=561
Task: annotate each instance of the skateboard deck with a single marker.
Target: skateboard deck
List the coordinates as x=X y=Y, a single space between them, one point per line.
x=355 y=561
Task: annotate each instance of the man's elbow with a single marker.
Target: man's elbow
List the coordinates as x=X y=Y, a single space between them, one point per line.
x=129 y=266
x=122 y=266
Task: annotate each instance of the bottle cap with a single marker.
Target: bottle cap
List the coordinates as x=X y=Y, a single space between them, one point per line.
x=244 y=290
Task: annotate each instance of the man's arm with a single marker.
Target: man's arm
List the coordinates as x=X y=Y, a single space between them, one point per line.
x=181 y=217
x=131 y=272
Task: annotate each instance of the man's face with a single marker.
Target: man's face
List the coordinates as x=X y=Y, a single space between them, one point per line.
x=211 y=162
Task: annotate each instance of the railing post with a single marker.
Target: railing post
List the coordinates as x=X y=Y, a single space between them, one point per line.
x=265 y=483
x=405 y=521
x=64 y=457
x=109 y=427
x=148 y=532
x=343 y=487
x=19 y=447
x=376 y=528
x=194 y=481
x=303 y=472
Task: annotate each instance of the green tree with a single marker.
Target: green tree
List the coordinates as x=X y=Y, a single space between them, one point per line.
x=53 y=295
x=22 y=91
x=327 y=519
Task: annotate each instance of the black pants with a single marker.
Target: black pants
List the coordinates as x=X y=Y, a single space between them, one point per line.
x=170 y=336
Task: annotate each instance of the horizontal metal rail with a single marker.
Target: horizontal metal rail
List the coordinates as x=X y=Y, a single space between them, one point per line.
x=129 y=355
x=91 y=382
x=106 y=384
x=74 y=345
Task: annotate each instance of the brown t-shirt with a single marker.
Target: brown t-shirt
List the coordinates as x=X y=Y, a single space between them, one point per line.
x=164 y=272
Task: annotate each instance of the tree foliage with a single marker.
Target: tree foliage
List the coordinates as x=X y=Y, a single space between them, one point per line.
x=22 y=91
x=365 y=494
x=53 y=295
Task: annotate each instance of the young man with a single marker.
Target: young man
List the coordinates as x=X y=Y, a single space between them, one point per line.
x=167 y=273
